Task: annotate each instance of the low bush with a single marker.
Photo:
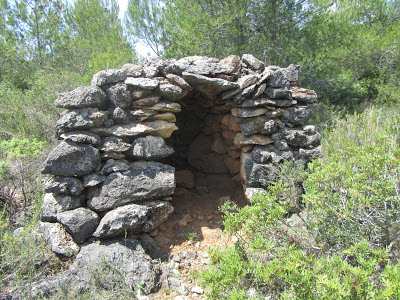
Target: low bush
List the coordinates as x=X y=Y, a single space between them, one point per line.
x=340 y=242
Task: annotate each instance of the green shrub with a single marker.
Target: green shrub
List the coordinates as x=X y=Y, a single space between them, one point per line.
x=341 y=242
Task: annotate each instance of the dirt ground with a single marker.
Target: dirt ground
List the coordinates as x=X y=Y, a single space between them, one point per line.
x=195 y=226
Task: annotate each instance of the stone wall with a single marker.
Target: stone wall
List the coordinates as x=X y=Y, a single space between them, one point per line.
x=122 y=138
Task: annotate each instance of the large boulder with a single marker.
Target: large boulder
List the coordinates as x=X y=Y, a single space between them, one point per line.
x=133 y=218
x=143 y=180
x=71 y=159
x=113 y=265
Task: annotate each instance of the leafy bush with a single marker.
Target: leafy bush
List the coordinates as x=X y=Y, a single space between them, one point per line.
x=341 y=242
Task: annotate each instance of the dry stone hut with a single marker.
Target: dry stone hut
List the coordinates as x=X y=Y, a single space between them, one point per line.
x=127 y=139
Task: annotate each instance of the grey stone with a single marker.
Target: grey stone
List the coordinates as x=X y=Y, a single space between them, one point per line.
x=58 y=239
x=233 y=63
x=50 y=208
x=260 y=90
x=310 y=154
x=133 y=218
x=114 y=144
x=119 y=95
x=292 y=73
x=111 y=265
x=303 y=95
x=108 y=76
x=171 y=92
x=159 y=127
x=143 y=180
x=143 y=83
x=257 y=139
x=257 y=175
x=253 y=62
x=150 y=148
x=166 y=106
x=146 y=101
x=229 y=94
x=64 y=185
x=70 y=159
x=251 y=192
x=81 y=97
x=270 y=154
x=200 y=65
x=300 y=138
x=248 y=112
x=121 y=116
x=80 y=119
x=80 y=223
x=209 y=86
x=294 y=116
x=264 y=76
x=112 y=165
x=281 y=145
x=247 y=80
x=93 y=179
x=309 y=128
x=179 y=81
x=132 y=70
x=248 y=91
x=54 y=204
x=275 y=93
x=259 y=124
x=268 y=102
x=277 y=79
x=84 y=137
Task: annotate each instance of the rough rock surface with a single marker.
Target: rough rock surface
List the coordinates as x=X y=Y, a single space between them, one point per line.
x=80 y=223
x=143 y=180
x=151 y=147
x=71 y=159
x=133 y=218
x=109 y=265
x=84 y=96
x=58 y=239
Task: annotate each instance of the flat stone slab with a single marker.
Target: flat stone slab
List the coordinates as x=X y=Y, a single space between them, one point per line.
x=143 y=180
x=81 y=97
x=209 y=86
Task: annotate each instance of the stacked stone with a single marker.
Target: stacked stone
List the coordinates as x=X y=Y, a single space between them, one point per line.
x=107 y=178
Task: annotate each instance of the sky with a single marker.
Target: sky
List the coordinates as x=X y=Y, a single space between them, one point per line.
x=141 y=48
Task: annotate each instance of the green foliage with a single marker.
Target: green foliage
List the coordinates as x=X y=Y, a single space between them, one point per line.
x=21 y=148
x=354 y=191
x=341 y=243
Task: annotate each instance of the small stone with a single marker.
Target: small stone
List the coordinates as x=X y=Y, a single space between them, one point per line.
x=197 y=290
x=253 y=62
x=248 y=112
x=114 y=144
x=148 y=101
x=247 y=80
x=177 y=80
x=84 y=137
x=260 y=90
x=119 y=95
x=93 y=179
